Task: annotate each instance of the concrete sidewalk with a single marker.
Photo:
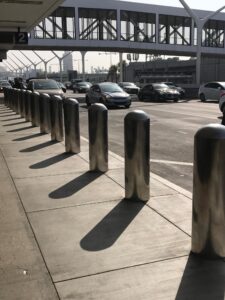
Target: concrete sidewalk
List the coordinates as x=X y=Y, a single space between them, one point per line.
x=67 y=233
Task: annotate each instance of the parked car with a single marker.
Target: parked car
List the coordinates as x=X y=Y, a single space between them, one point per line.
x=211 y=91
x=62 y=86
x=48 y=86
x=157 y=92
x=68 y=84
x=175 y=86
x=222 y=102
x=129 y=87
x=74 y=82
x=108 y=93
x=81 y=87
x=4 y=84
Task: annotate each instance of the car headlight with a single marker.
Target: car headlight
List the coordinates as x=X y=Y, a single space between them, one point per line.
x=107 y=97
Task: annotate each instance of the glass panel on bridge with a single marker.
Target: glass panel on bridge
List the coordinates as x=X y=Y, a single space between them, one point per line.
x=97 y=24
x=59 y=25
x=213 y=34
x=175 y=30
x=138 y=26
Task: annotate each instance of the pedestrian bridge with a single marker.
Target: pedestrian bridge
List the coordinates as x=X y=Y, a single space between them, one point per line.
x=126 y=27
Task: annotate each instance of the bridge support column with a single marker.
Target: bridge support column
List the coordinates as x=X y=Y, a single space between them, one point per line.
x=121 y=66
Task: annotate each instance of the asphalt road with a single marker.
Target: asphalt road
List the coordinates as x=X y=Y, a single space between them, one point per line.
x=172 y=130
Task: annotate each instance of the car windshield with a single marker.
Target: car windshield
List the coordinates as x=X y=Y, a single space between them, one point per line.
x=46 y=85
x=159 y=86
x=83 y=84
x=110 y=88
x=127 y=83
x=4 y=84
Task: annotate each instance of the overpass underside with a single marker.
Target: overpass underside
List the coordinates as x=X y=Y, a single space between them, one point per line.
x=122 y=28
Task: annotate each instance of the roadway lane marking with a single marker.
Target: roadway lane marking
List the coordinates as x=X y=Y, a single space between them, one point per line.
x=180 y=163
x=181 y=113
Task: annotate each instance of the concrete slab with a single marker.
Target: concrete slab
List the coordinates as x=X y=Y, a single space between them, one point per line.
x=113 y=163
x=176 y=208
x=21 y=149
x=181 y=278
x=67 y=190
x=23 y=274
x=36 y=137
x=48 y=164
x=89 y=239
x=156 y=187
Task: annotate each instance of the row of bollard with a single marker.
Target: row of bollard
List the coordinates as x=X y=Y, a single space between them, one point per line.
x=208 y=214
x=55 y=116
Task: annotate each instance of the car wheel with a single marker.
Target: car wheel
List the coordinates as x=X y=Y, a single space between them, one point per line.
x=202 y=97
x=176 y=100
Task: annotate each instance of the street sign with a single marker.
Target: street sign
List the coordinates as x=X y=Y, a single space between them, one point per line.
x=21 y=38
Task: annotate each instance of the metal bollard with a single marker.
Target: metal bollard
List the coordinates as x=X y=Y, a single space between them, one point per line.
x=16 y=100
x=72 y=125
x=20 y=102
x=45 y=113
x=34 y=109
x=98 y=137
x=137 y=155
x=208 y=215
x=57 y=118
x=23 y=98
x=6 y=93
x=27 y=106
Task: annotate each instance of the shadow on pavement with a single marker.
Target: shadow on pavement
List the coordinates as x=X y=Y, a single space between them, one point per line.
x=18 y=123
x=75 y=185
x=20 y=129
x=39 y=146
x=109 y=229
x=24 y=138
x=51 y=161
x=11 y=119
x=8 y=115
x=202 y=280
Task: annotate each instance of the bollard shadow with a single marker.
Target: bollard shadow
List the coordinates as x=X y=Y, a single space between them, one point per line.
x=109 y=229
x=11 y=119
x=20 y=129
x=24 y=138
x=75 y=185
x=17 y=123
x=202 y=279
x=51 y=161
x=7 y=115
x=39 y=146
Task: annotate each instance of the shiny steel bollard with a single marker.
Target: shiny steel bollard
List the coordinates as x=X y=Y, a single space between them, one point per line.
x=137 y=155
x=16 y=100
x=98 y=137
x=23 y=98
x=208 y=215
x=45 y=113
x=6 y=95
x=57 y=119
x=20 y=102
x=34 y=109
x=72 y=125
x=27 y=106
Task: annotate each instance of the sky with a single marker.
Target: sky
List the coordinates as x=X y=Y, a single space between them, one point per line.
x=103 y=60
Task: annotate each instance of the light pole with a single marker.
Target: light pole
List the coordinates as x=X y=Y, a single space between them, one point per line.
x=32 y=63
x=44 y=62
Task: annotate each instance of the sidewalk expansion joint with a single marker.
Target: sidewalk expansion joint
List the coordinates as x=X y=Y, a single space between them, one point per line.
x=123 y=268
